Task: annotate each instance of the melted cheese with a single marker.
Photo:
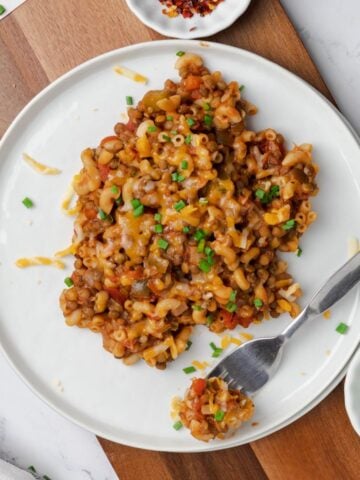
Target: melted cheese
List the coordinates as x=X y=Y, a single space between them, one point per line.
x=40 y=167
x=33 y=261
x=70 y=250
x=126 y=72
x=247 y=336
x=199 y=365
x=67 y=200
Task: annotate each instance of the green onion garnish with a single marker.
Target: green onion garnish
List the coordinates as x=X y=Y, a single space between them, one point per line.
x=208 y=119
x=203 y=201
x=2 y=9
x=190 y=121
x=209 y=320
x=209 y=251
x=207 y=106
x=177 y=425
x=163 y=244
x=289 y=224
x=179 y=205
x=138 y=207
x=177 y=177
x=188 y=139
x=217 y=353
x=151 y=129
x=260 y=194
x=158 y=228
x=299 y=252
x=232 y=296
x=342 y=328
x=129 y=100
x=102 y=215
x=199 y=234
x=201 y=245
x=32 y=469
x=241 y=88
x=45 y=477
x=157 y=217
x=198 y=308
x=27 y=202
x=186 y=229
x=68 y=282
x=188 y=370
x=266 y=197
x=231 y=307
x=135 y=202
x=204 y=265
x=219 y=415
x=184 y=164
x=166 y=138
x=118 y=201
x=274 y=191
x=180 y=53
x=213 y=346
x=114 y=189
x=258 y=303
x=169 y=118
x=188 y=344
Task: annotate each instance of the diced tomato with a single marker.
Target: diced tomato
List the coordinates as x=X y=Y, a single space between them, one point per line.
x=104 y=172
x=228 y=319
x=192 y=82
x=90 y=213
x=131 y=126
x=199 y=385
x=108 y=139
x=116 y=295
x=244 y=322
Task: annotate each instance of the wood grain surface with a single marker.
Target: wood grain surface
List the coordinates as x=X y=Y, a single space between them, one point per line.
x=44 y=39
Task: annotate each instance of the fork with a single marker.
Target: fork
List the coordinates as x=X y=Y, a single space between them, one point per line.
x=252 y=365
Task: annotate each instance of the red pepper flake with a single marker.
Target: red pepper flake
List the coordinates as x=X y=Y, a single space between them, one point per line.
x=189 y=8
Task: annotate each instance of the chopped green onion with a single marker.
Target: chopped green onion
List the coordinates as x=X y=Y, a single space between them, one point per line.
x=166 y=138
x=201 y=245
x=203 y=201
x=231 y=307
x=169 y=118
x=204 y=265
x=186 y=229
x=180 y=53
x=68 y=282
x=188 y=370
x=241 y=88
x=102 y=215
x=129 y=100
x=188 y=344
x=2 y=9
x=258 y=303
x=157 y=217
x=260 y=194
x=184 y=164
x=177 y=177
x=198 y=308
x=299 y=252
x=232 y=296
x=210 y=260
x=213 y=346
x=206 y=106
x=45 y=477
x=32 y=469
x=118 y=201
x=135 y=202
x=209 y=251
x=188 y=139
x=163 y=244
x=114 y=189
x=342 y=328
x=190 y=121
x=208 y=120
x=179 y=205
x=158 y=228
x=177 y=425
x=27 y=202
x=219 y=416
x=217 y=353
x=274 y=191
x=151 y=129
x=138 y=211
x=266 y=197
x=289 y=224
x=199 y=234
x=209 y=320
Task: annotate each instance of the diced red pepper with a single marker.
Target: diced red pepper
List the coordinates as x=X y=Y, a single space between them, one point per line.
x=116 y=295
x=192 y=82
x=104 y=171
x=199 y=385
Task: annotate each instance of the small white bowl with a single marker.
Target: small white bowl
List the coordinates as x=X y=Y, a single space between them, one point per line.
x=225 y=14
x=352 y=392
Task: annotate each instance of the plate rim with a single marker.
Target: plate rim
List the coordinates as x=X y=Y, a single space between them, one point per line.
x=215 y=27
x=65 y=77
x=349 y=398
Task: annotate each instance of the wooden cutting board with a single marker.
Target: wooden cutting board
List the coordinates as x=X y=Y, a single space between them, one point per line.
x=43 y=39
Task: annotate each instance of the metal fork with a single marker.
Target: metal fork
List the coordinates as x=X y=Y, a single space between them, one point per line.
x=252 y=365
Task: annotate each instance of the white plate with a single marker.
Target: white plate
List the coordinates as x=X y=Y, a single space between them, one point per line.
x=131 y=404
x=224 y=15
x=352 y=392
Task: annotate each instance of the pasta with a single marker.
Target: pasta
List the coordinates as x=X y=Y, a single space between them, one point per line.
x=180 y=217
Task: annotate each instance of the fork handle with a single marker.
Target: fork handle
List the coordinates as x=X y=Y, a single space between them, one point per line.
x=338 y=285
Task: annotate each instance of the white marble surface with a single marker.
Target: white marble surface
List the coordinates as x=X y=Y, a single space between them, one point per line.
x=30 y=432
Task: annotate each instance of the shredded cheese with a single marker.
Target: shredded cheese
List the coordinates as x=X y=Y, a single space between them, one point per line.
x=70 y=250
x=33 y=261
x=126 y=72
x=327 y=314
x=236 y=341
x=225 y=341
x=247 y=336
x=40 y=167
x=67 y=200
x=200 y=365
x=353 y=246
x=175 y=408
